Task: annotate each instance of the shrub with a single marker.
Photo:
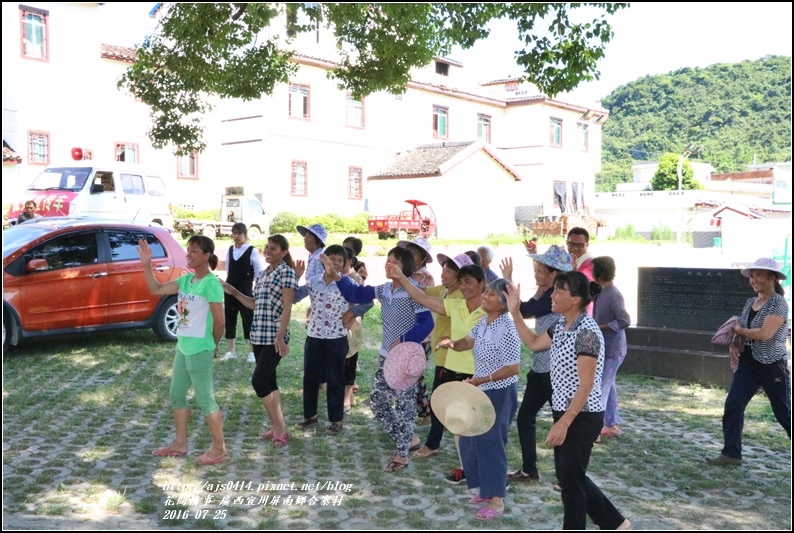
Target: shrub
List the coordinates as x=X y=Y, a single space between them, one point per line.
x=284 y=222
x=662 y=233
x=626 y=233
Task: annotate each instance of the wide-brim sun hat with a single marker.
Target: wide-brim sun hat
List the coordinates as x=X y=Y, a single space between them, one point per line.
x=461 y=260
x=315 y=229
x=555 y=257
x=404 y=365
x=765 y=263
x=355 y=338
x=463 y=408
x=421 y=243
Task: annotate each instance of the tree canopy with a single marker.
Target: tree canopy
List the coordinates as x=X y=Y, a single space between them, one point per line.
x=222 y=49
x=666 y=176
x=736 y=113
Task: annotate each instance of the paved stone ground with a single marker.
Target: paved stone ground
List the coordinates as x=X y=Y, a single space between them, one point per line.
x=631 y=470
x=56 y=477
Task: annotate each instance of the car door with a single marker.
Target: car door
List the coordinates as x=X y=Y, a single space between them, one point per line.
x=106 y=204
x=129 y=298
x=71 y=290
x=134 y=196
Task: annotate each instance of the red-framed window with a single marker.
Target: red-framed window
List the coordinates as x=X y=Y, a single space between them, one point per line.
x=34 y=33
x=38 y=148
x=299 y=101
x=299 y=179
x=355 y=183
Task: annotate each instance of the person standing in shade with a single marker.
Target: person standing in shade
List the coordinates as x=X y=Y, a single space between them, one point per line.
x=538 y=390
x=29 y=213
x=243 y=265
x=199 y=329
x=609 y=312
x=762 y=361
x=577 y=363
x=486 y=255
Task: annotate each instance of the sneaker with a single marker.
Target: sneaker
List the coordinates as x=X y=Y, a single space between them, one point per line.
x=334 y=429
x=229 y=355
x=456 y=477
x=306 y=422
x=521 y=477
x=251 y=357
x=724 y=460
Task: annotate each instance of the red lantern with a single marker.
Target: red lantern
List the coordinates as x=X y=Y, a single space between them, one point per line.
x=77 y=154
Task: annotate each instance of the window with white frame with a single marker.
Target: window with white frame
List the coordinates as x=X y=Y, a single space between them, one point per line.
x=484 y=128
x=38 y=148
x=354 y=182
x=188 y=165
x=583 y=131
x=440 y=122
x=299 y=101
x=300 y=183
x=33 y=32
x=354 y=112
x=126 y=152
x=555 y=132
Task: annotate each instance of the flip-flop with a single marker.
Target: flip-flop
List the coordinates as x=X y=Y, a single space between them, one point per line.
x=487 y=513
x=267 y=435
x=206 y=460
x=425 y=452
x=280 y=440
x=167 y=452
x=479 y=499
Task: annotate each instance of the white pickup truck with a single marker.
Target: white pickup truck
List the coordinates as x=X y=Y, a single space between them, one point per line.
x=235 y=207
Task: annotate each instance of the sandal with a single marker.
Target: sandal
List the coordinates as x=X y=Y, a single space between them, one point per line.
x=425 y=451
x=394 y=466
x=267 y=435
x=280 y=440
x=486 y=513
x=479 y=499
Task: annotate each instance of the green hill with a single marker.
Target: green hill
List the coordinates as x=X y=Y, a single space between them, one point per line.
x=734 y=112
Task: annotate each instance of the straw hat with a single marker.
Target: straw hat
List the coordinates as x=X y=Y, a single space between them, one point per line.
x=463 y=408
x=764 y=263
x=355 y=338
x=404 y=364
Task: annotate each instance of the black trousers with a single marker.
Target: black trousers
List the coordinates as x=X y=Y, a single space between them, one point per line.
x=324 y=359
x=537 y=393
x=580 y=496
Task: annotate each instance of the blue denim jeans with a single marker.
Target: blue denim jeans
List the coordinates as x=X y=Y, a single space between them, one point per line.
x=776 y=382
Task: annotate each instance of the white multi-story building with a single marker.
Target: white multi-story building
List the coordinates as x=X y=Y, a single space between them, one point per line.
x=308 y=148
x=60 y=69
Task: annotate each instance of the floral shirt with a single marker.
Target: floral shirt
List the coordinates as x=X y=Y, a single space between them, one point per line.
x=328 y=306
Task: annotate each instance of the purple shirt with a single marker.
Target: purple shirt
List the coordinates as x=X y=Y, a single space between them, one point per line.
x=610 y=309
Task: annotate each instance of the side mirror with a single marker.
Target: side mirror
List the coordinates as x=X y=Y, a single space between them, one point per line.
x=37 y=264
x=97 y=186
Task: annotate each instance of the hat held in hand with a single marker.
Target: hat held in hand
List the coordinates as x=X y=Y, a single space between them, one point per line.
x=404 y=364
x=463 y=408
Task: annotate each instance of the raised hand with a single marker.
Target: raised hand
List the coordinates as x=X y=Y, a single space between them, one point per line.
x=300 y=268
x=507 y=268
x=531 y=246
x=395 y=271
x=144 y=252
x=445 y=342
x=330 y=269
x=513 y=297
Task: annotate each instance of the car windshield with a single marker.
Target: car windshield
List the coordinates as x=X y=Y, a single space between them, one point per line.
x=16 y=236
x=68 y=179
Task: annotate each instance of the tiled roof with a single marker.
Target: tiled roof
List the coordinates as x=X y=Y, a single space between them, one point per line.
x=424 y=160
x=9 y=155
x=119 y=53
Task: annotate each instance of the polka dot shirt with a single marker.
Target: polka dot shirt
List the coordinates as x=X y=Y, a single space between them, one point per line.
x=496 y=345
x=582 y=339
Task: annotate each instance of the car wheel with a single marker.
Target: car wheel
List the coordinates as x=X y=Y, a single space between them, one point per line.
x=208 y=231
x=8 y=325
x=253 y=233
x=167 y=320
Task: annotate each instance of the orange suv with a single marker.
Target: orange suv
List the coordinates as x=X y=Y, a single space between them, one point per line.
x=67 y=275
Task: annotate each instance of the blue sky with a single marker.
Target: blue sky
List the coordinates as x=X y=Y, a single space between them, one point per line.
x=654 y=38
